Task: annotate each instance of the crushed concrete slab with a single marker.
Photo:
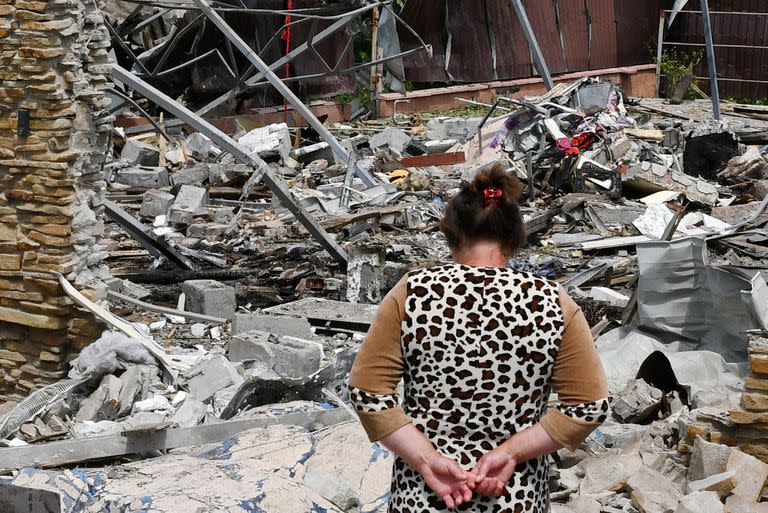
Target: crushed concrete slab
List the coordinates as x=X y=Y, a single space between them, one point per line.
x=332 y=488
x=212 y=375
x=390 y=137
x=608 y=473
x=750 y=476
x=288 y=356
x=279 y=325
x=192 y=175
x=190 y=413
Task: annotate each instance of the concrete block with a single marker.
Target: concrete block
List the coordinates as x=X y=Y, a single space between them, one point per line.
x=210 y=297
x=391 y=137
x=210 y=376
x=222 y=174
x=139 y=153
x=280 y=325
x=143 y=177
x=192 y=175
x=156 y=203
x=190 y=413
x=317 y=151
x=268 y=139
x=190 y=201
x=289 y=357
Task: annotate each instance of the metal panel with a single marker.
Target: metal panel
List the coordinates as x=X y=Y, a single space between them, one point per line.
x=572 y=21
x=603 y=43
x=542 y=17
x=470 y=59
x=427 y=18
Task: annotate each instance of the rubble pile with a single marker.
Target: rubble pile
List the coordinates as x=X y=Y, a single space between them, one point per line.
x=232 y=328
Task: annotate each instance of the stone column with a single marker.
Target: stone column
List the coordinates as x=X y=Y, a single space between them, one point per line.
x=54 y=64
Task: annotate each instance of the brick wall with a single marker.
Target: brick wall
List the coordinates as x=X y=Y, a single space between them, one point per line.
x=53 y=62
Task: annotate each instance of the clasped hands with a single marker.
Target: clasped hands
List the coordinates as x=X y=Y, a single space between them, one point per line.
x=457 y=486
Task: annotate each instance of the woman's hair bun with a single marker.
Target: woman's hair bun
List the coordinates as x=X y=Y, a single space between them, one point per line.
x=497 y=177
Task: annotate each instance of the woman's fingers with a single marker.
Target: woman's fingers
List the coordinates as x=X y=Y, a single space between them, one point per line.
x=449 y=501
x=467 y=493
x=482 y=469
x=456 y=471
x=499 y=489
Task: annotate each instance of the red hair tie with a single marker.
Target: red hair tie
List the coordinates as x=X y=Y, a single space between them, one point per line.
x=492 y=194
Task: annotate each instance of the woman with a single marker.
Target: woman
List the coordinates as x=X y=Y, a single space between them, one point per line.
x=479 y=347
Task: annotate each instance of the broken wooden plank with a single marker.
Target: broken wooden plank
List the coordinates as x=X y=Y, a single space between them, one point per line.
x=143 y=441
x=437 y=159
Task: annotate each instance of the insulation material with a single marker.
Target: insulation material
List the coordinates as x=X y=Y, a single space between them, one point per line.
x=109 y=353
x=681 y=295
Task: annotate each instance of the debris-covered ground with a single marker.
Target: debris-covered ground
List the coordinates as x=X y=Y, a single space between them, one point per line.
x=220 y=383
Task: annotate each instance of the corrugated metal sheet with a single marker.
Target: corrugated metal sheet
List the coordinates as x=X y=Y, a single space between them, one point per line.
x=733 y=63
x=574 y=35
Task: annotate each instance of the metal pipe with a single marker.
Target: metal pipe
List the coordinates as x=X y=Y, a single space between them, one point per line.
x=261 y=170
x=533 y=44
x=659 y=50
x=751 y=47
x=715 y=93
x=723 y=12
x=284 y=90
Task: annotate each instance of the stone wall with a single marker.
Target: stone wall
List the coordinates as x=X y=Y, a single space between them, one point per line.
x=53 y=62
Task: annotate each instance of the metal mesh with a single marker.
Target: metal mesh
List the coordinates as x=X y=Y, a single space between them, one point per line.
x=35 y=404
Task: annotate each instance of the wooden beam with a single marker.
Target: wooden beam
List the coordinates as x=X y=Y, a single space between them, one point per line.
x=438 y=159
x=142 y=441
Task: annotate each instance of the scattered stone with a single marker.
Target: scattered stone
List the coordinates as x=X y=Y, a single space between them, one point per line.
x=138 y=153
x=708 y=459
x=652 y=493
x=578 y=504
x=750 y=476
x=608 y=473
x=609 y=295
x=700 y=502
x=722 y=484
x=620 y=436
x=452 y=128
x=210 y=297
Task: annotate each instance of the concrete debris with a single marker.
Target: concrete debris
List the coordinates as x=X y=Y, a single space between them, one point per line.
x=652 y=493
x=210 y=376
x=138 y=153
x=210 y=297
x=700 y=502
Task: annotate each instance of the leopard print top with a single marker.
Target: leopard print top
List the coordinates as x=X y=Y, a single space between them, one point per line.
x=478 y=350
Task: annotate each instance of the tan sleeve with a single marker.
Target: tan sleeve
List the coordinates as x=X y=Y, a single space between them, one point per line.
x=378 y=368
x=579 y=380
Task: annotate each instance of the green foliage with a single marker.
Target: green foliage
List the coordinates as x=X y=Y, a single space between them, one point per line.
x=674 y=65
x=745 y=101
